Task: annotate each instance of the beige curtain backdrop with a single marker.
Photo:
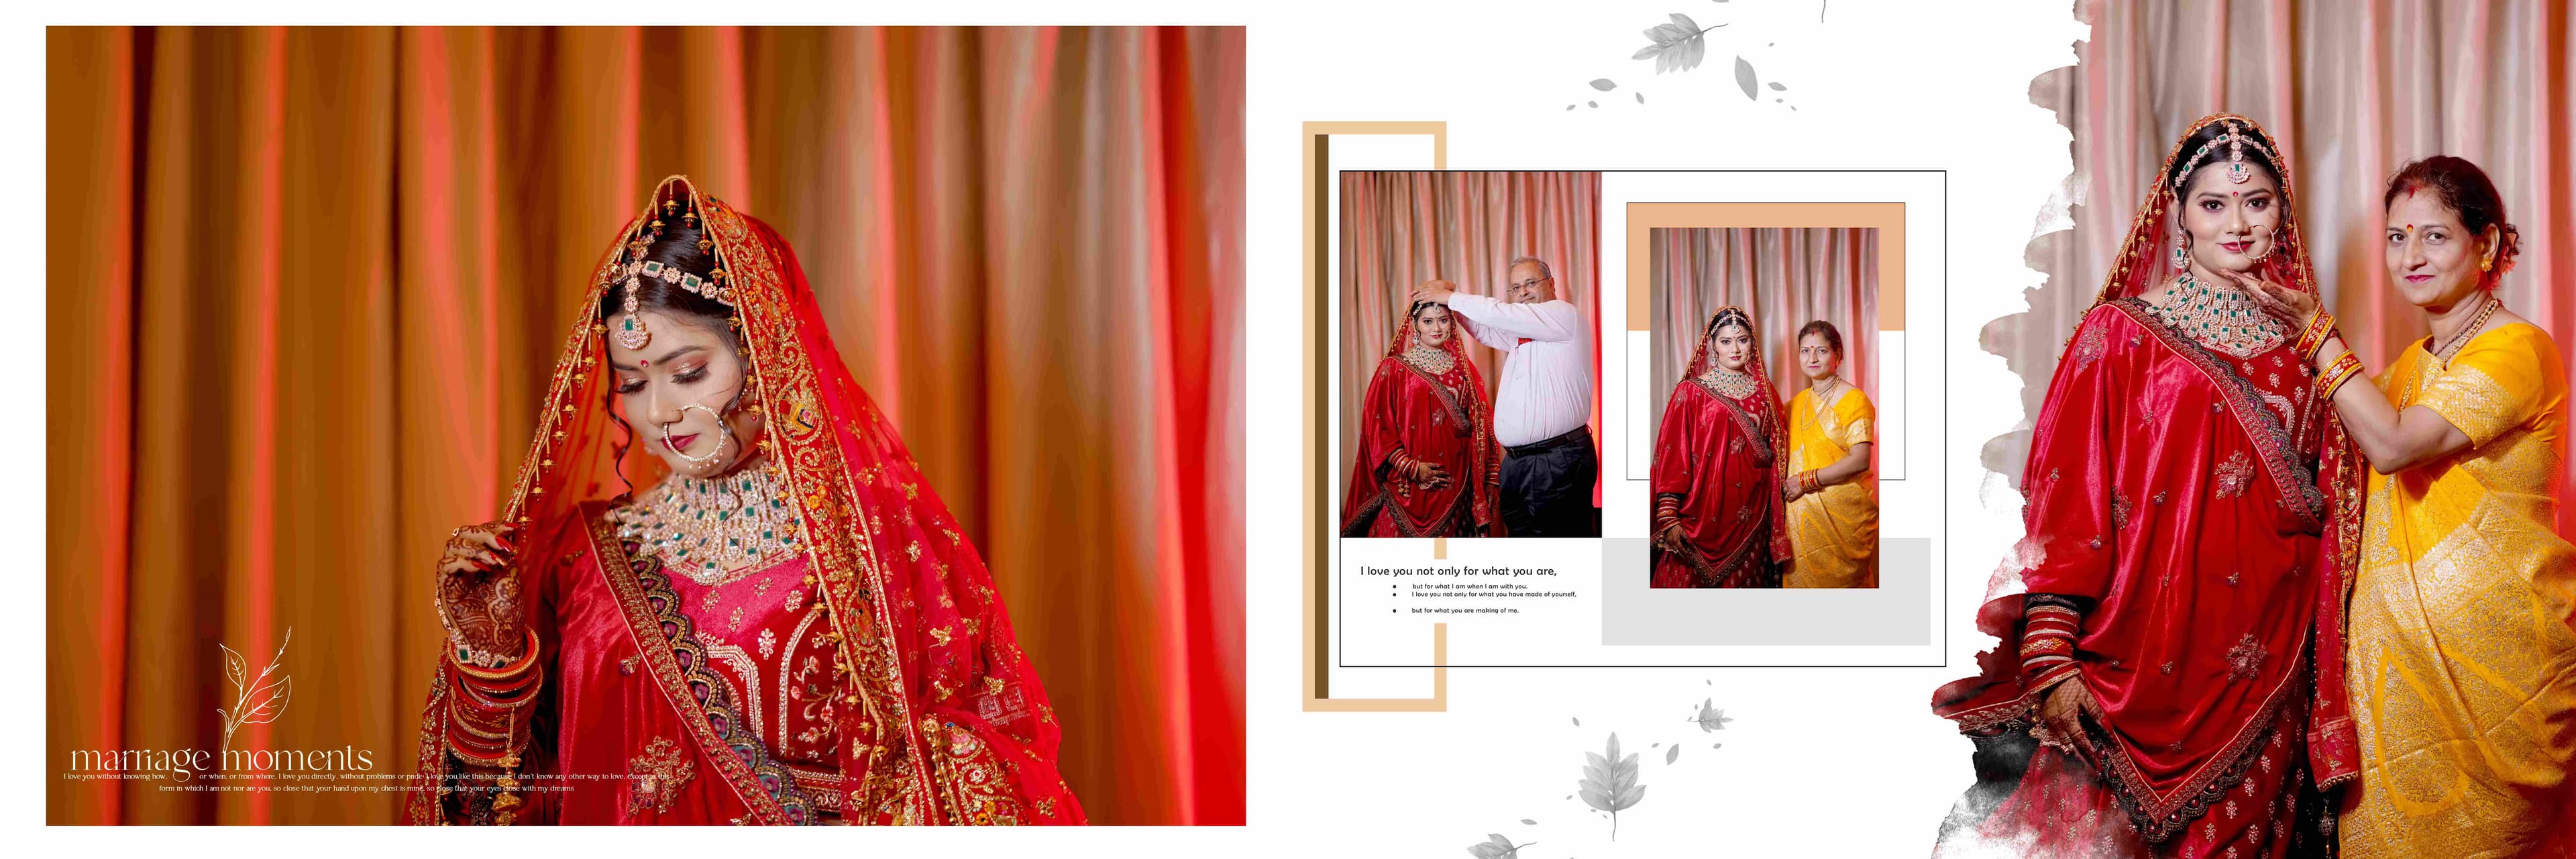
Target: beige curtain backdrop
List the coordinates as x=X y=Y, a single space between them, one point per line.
x=305 y=287
x=2353 y=91
x=1785 y=277
x=1399 y=229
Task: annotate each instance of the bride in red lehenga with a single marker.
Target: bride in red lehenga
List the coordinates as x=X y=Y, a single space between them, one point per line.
x=766 y=617
x=1719 y=519
x=2172 y=626
x=1428 y=465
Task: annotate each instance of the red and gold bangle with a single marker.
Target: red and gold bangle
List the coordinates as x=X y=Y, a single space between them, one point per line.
x=2321 y=328
x=2335 y=374
x=479 y=665
x=504 y=755
x=2047 y=639
x=517 y=695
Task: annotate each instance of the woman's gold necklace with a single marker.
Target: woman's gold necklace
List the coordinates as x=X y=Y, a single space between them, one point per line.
x=2452 y=349
x=2223 y=317
x=1826 y=396
x=710 y=528
x=1733 y=383
x=1432 y=359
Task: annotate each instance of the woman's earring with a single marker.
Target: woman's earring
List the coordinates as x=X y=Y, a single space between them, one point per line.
x=2182 y=250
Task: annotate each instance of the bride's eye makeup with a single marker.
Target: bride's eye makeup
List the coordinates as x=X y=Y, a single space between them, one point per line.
x=691 y=375
x=629 y=386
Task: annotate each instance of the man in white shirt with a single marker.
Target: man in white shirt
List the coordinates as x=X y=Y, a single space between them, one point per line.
x=1544 y=402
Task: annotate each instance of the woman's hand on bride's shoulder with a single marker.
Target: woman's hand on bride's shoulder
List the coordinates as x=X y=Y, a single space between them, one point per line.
x=478 y=594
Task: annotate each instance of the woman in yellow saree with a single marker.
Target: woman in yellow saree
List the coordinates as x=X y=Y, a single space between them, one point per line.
x=2463 y=665
x=1833 y=497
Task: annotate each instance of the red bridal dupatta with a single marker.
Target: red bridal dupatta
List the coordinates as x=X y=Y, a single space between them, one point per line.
x=2200 y=511
x=1716 y=473
x=914 y=702
x=1418 y=413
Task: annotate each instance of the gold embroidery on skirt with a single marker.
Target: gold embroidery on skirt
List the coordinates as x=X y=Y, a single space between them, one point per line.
x=658 y=774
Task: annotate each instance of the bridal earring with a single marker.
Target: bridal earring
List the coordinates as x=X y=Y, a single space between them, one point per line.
x=2182 y=249
x=720 y=437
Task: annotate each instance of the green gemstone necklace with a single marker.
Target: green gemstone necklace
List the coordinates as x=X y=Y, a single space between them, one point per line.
x=712 y=529
x=2220 y=317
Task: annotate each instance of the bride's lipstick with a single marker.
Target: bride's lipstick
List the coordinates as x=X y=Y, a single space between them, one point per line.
x=2235 y=247
x=680 y=443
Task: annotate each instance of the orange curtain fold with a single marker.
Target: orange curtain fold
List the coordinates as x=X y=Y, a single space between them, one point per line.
x=304 y=303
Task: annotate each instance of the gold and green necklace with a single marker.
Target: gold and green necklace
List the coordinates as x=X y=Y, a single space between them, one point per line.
x=709 y=529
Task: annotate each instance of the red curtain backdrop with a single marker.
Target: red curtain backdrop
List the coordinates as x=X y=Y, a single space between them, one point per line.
x=305 y=284
x=2352 y=91
x=1399 y=229
x=1786 y=277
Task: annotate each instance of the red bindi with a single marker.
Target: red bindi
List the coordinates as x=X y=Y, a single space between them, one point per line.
x=647 y=362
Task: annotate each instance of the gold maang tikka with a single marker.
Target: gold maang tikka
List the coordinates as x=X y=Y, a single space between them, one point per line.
x=630 y=331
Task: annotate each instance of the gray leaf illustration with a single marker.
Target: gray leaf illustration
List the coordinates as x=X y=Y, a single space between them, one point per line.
x=1776 y=87
x=1528 y=822
x=1496 y=847
x=1677 y=46
x=1610 y=783
x=1577 y=722
x=1641 y=98
x=1744 y=78
x=1672 y=754
x=1604 y=84
x=1711 y=718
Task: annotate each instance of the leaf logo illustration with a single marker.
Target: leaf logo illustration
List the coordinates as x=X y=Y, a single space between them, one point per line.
x=255 y=699
x=1711 y=718
x=1610 y=783
x=1678 y=46
x=1497 y=847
